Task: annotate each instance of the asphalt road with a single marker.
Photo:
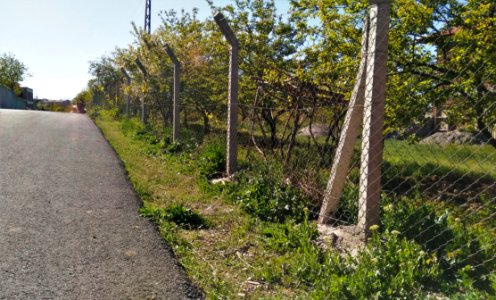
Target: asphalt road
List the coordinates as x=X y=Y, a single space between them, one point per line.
x=69 y=223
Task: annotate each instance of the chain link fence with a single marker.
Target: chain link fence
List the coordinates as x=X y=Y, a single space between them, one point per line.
x=406 y=149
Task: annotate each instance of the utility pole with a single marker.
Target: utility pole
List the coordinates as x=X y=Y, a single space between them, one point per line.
x=148 y=16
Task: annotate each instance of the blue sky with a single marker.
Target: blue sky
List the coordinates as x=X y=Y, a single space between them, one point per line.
x=56 y=39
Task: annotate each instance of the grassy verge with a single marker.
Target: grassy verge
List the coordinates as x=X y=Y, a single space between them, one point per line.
x=254 y=238
x=222 y=258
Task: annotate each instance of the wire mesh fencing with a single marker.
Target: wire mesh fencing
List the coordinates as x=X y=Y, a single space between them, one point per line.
x=403 y=145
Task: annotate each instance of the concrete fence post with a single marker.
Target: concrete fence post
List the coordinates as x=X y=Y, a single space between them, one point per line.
x=367 y=101
x=348 y=138
x=177 y=82
x=128 y=96
x=373 y=127
x=232 y=115
x=144 y=108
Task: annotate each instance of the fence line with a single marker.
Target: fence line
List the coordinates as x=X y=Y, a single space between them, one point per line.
x=434 y=187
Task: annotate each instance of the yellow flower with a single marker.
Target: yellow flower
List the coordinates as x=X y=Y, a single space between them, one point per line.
x=374 y=227
x=388 y=208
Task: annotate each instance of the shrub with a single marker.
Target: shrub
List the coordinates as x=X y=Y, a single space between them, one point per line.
x=269 y=199
x=461 y=255
x=94 y=112
x=400 y=267
x=130 y=126
x=212 y=162
x=390 y=267
x=155 y=143
x=290 y=235
x=112 y=113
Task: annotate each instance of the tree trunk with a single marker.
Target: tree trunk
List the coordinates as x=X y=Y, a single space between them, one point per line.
x=480 y=111
x=267 y=116
x=294 y=132
x=206 y=123
x=483 y=128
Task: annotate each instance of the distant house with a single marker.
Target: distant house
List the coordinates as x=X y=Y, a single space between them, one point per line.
x=10 y=100
x=437 y=119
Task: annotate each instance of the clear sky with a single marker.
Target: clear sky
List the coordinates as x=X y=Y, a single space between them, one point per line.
x=56 y=39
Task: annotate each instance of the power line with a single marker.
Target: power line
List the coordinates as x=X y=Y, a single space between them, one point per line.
x=148 y=16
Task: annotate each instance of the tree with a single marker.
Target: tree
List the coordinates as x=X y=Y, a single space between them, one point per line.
x=108 y=79
x=301 y=68
x=440 y=52
x=468 y=64
x=82 y=100
x=12 y=71
x=279 y=89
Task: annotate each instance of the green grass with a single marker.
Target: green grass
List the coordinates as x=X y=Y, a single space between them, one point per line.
x=229 y=237
x=472 y=160
x=209 y=255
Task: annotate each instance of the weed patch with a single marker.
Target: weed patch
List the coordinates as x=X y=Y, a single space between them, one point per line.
x=268 y=199
x=178 y=214
x=261 y=228
x=212 y=162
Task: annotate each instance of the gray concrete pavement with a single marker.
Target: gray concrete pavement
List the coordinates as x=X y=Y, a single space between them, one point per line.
x=69 y=226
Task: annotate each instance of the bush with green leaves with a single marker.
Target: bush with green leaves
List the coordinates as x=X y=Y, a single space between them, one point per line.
x=269 y=199
x=392 y=267
x=94 y=112
x=461 y=249
x=389 y=267
x=290 y=235
x=156 y=142
x=347 y=212
x=212 y=162
x=112 y=113
x=129 y=126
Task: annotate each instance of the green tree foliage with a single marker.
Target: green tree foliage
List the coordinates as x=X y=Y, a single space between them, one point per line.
x=82 y=100
x=107 y=82
x=12 y=71
x=300 y=67
x=202 y=54
x=441 y=53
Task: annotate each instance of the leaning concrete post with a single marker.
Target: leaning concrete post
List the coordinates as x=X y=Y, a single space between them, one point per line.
x=177 y=78
x=232 y=115
x=144 y=112
x=372 y=134
x=348 y=138
x=128 y=96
